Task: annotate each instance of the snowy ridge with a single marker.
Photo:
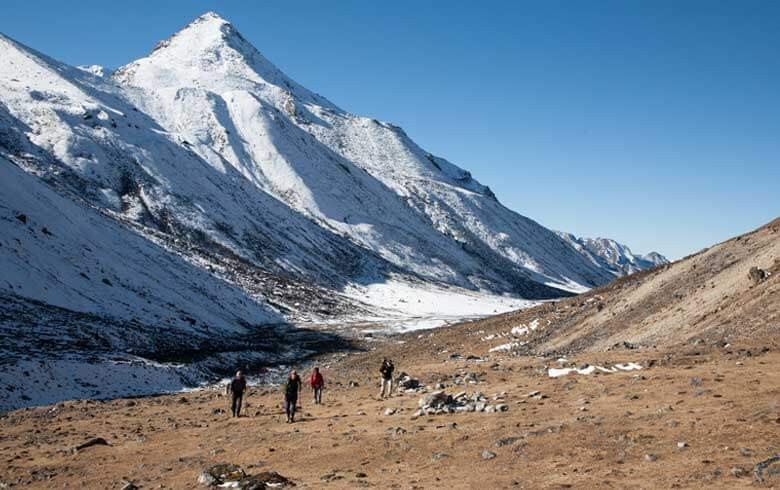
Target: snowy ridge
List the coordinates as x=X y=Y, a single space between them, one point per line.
x=613 y=256
x=200 y=203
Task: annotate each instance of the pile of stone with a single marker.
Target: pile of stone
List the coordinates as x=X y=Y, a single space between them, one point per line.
x=466 y=378
x=226 y=475
x=439 y=402
x=407 y=383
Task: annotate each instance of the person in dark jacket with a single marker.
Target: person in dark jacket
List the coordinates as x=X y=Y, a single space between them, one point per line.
x=291 y=390
x=236 y=389
x=317 y=382
x=387 y=377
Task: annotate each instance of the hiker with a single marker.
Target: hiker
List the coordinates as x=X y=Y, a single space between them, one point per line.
x=291 y=390
x=387 y=377
x=236 y=388
x=317 y=382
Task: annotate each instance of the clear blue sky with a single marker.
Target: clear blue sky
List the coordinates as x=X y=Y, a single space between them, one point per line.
x=653 y=122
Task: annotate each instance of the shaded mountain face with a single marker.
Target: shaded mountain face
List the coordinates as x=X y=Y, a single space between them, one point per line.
x=613 y=256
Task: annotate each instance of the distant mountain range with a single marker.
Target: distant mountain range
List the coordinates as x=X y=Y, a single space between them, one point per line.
x=613 y=256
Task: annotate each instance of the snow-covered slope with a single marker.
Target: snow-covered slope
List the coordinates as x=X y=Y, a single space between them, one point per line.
x=199 y=202
x=365 y=179
x=613 y=256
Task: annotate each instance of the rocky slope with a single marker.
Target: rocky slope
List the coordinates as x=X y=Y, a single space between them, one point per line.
x=726 y=292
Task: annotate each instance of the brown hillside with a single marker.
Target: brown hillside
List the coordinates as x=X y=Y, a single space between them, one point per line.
x=708 y=296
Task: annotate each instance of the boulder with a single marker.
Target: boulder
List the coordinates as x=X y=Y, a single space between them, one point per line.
x=406 y=382
x=769 y=468
x=264 y=480
x=436 y=399
x=757 y=275
x=221 y=473
x=95 y=441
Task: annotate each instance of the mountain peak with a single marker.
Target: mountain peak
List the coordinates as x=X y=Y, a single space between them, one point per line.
x=207 y=30
x=210 y=16
x=213 y=26
x=209 y=53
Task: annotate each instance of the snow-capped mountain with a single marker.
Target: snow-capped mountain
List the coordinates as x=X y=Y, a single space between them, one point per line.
x=362 y=178
x=613 y=256
x=199 y=200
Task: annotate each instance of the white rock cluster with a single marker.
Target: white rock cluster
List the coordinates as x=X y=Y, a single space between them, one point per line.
x=439 y=402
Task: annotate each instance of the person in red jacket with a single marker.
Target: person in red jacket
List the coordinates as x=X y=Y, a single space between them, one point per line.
x=317 y=382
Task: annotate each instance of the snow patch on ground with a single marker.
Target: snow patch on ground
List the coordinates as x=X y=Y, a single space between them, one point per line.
x=524 y=329
x=405 y=307
x=557 y=372
x=45 y=382
x=506 y=347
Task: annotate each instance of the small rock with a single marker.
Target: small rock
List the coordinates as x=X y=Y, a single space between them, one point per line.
x=439 y=456
x=95 y=441
x=682 y=445
x=488 y=454
x=390 y=411
x=769 y=467
x=650 y=457
x=757 y=275
x=127 y=485
x=737 y=472
x=507 y=441
x=502 y=407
